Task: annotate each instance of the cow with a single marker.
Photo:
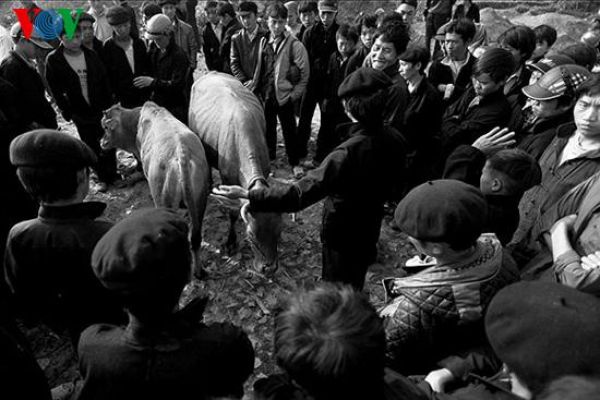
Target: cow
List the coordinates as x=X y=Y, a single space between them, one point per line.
x=172 y=157
x=230 y=121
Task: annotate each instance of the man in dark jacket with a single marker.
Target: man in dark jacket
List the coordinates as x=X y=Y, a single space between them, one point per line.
x=18 y=68
x=211 y=37
x=125 y=59
x=168 y=68
x=230 y=26
x=86 y=24
x=81 y=88
x=319 y=41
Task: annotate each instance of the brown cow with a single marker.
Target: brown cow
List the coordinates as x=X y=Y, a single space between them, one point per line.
x=230 y=122
x=172 y=157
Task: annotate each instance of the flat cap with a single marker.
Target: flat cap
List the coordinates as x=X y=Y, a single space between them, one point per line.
x=118 y=15
x=143 y=252
x=444 y=210
x=364 y=81
x=327 y=6
x=86 y=17
x=50 y=148
x=561 y=80
x=544 y=330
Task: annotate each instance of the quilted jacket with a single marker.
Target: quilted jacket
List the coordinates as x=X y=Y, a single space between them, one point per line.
x=439 y=311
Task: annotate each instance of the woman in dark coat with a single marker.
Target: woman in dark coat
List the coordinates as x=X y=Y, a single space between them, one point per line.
x=351 y=179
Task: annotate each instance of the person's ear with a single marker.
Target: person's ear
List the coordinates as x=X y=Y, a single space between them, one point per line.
x=418 y=65
x=497 y=185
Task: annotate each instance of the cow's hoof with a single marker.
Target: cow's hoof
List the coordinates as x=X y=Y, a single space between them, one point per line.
x=201 y=274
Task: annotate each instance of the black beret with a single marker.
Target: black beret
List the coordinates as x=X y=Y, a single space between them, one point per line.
x=86 y=17
x=544 y=330
x=364 y=81
x=443 y=211
x=163 y=2
x=50 y=148
x=117 y=15
x=143 y=252
x=151 y=9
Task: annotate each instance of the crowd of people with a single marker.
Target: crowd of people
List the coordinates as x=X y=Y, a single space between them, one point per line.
x=488 y=153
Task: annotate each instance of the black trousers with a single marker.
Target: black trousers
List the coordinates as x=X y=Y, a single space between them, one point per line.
x=90 y=131
x=285 y=112
x=312 y=97
x=348 y=264
x=328 y=137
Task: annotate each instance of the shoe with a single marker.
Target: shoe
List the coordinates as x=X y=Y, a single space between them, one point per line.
x=297 y=171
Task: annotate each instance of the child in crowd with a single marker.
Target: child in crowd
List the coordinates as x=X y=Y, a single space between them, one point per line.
x=483 y=106
x=47 y=259
x=367 y=23
x=145 y=260
x=438 y=312
x=308 y=16
x=211 y=37
x=332 y=113
x=545 y=36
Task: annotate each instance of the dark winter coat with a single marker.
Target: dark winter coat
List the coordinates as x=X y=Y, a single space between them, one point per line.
x=225 y=46
x=30 y=89
x=66 y=89
x=120 y=74
x=47 y=267
x=441 y=74
x=245 y=53
x=320 y=43
x=210 y=45
x=356 y=60
x=537 y=137
x=439 y=311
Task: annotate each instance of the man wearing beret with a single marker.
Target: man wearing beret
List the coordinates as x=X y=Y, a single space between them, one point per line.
x=82 y=91
x=145 y=260
x=353 y=179
x=125 y=58
x=438 y=312
x=47 y=259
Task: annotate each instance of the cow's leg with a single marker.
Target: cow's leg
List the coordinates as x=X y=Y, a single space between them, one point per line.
x=231 y=245
x=198 y=262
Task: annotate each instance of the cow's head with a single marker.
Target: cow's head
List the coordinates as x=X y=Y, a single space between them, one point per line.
x=263 y=230
x=111 y=123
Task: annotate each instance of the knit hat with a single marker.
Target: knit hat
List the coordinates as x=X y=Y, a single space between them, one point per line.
x=443 y=211
x=564 y=79
x=543 y=331
x=117 y=15
x=49 y=148
x=364 y=81
x=144 y=252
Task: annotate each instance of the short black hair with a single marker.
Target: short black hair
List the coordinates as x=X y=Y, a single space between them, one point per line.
x=519 y=37
x=368 y=20
x=498 y=63
x=49 y=184
x=519 y=167
x=331 y=341
x=416 y=54
x=390 y=17
x=395 y=33
x=545 y=33
x=582 y=54
x=211 y=4
x=248 y=6
x=589 y=88
x=348 y=32
x=308 y=6
x=225 y=8
x=463 y=27
x=276 y=10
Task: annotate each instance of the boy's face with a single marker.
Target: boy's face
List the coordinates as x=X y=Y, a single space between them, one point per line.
x=87 y=31
x=543 y=108
x=307 y=19
x=276 y=26
x=516 y=53
x=407 y=12
x=366 y=36
x=72 y=44
x=327 y=17
x=456 y=47
x=122 y=30
x=345 y=47
x=169 y=10
x=248 y=20
x=541 y=48
x=292 y=18
x=383 y=54
x=484 y=85
x=409 y=70
x=211 y=15
x=587 y=116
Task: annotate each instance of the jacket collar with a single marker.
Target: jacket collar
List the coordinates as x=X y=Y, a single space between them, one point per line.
x=549 y=123
x=87 y=210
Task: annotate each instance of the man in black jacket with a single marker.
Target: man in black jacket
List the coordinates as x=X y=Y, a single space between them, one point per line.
x=231 y=26
x=320 y=43
x=19 y=69
x=80 y=86
x=211 y=37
